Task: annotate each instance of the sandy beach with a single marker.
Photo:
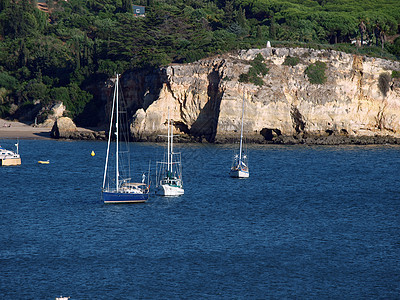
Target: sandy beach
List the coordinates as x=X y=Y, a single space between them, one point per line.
x=14 y=130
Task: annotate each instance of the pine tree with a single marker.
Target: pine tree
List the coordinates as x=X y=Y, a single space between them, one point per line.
x=4 y=4
x=126 y=6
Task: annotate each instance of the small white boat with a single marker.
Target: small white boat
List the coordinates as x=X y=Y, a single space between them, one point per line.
x=169 y=172
x=10 y=158
x=239 y=167
x=44 y=162
x=239 y=170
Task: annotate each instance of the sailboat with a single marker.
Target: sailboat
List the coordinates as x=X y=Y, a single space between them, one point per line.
x=117 y=185
x=239 y=167
x=169 y=171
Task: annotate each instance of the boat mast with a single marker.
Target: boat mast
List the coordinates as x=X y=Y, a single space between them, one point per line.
x=109 y=139
x=168 y=146
x=172 y=143
x=117 y=137
x=241 y=133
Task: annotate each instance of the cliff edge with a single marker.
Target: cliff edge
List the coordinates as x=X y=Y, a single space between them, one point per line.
x=205 y=98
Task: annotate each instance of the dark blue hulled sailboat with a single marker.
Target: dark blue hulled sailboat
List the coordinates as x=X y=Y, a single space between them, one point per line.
x=117 y=185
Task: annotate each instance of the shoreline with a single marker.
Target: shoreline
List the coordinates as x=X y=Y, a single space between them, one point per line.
x=19 y=130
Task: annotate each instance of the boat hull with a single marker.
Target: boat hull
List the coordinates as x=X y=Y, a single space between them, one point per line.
x=115 y=198
x=239 y=174
x=10 y=162
x=170 y=191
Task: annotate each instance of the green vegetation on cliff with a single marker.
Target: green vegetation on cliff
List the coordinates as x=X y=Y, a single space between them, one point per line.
x=291 y=61
x=316 y=72
x=256 y=71
x=55 y=56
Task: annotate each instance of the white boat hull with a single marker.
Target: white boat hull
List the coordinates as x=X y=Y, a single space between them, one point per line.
x=239 y=174
x=168 y=190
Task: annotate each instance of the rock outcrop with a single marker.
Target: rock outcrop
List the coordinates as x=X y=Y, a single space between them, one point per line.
x=65 y=128
x=205 y=98
x=56 y=112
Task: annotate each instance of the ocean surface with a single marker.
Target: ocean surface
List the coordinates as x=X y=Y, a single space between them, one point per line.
x=310 y=223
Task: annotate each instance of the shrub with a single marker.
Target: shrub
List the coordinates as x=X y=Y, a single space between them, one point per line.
x=37 y=90
x=244 y=77
x=258 y=65
x=60 y=94
x=395 y=47
x=316 y=72
x=258 y=68
x=384 y=83
x=7 y=81
x=291 y=61
x=257 y=81
x=4 y=110
x=395 y=74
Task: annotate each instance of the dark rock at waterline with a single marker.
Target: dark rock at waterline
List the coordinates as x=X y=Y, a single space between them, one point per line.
x=302 y=138
x=336 y=140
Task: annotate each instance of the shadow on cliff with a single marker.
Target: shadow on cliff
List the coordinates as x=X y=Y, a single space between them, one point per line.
x=140 y=88
x=206 y=124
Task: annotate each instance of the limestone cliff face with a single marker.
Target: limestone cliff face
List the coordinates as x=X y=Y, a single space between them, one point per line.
x=205 y=98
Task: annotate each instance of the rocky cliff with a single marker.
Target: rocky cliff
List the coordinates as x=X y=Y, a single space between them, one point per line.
x=205 y=98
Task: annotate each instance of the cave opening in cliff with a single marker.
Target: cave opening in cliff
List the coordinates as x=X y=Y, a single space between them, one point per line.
x=182 y=127
x=269 y=134
x=329 y=131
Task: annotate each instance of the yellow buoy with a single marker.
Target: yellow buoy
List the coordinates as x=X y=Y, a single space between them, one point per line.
x=92 y=154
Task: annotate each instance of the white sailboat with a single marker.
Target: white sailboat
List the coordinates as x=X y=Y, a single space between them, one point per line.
x=169 y=171
x=239 y=167
x=117 y=185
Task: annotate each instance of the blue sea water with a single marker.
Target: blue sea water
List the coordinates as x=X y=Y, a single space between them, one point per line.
x=311 y=223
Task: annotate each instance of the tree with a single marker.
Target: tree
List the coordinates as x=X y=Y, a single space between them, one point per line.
x=362 y=28
x=4 y=4
x=272 y=28
x=37 y=90
x=382 y=36
x=241 y=17
x=126 y=5
x=228 y=12
x=259 y=33
x=395 y=48
x=338 y=26
x=23 y=54
x=7 y=81
x=77 y=100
